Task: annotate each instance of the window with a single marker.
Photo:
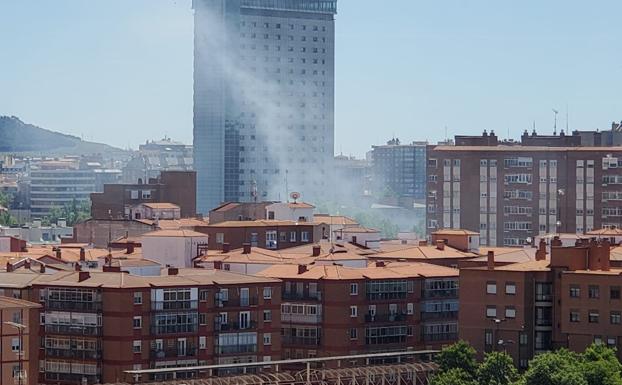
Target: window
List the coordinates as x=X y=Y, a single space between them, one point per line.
x=510 y=288
x=354 y=289
x=146 y=194
x=575 y=291
x=491 y=311
x=203 y=295
x=267 y=316
x=202 y=318
x=137 y=346
x=593 y=317
x=267 y=338
x=491 y=288
x=353 y=311
x=523 y=338
x=593 y=291
x=410 y=308
x=202 y=342
x=304 y=236
x=15 y=345
x=134 y=194
x=614 y=292
x=267 y=293
x=575 y=316
x=137 y=322
x=510 y=312
x=353 y=333
x=138 y=298
x=271 y=240
x=220 y=238
x=488 y=337
x=614 y=317
x=292 y=236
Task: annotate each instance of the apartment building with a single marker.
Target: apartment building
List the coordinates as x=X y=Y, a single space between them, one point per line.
x=118 y=200
x=334 y=310
x=96 y=325
x=569 y=299
x=19 y=341
x=510 y=192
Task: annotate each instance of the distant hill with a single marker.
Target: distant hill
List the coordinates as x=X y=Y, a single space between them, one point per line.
x=19 y=137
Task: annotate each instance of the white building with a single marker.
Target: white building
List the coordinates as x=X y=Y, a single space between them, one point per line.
x=290 y=211
x=155 y=211
x=175 y=248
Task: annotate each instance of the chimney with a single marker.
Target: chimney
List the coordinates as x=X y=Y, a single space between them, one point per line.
x=58 y=253
x=226 y=247
x=9 y=267
x=317 y=249
x=82 y=254
x=380 y=264
x=491 y=260
x=423 y=243
x=246 y=248
x=302 y=269
x=173 y=271
x=129 y=248
x=605 y=260
x=541 y=252
x=27 y=264
x=217 y=265
x=440 y=244
x=404 y=242
x=42 y=269
x=83 y=276
x=556 y=242
x=77 y=267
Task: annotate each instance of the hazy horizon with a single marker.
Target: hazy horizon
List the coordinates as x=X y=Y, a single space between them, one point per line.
x=120 y=72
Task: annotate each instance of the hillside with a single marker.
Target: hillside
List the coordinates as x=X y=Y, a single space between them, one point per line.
x=19 y=137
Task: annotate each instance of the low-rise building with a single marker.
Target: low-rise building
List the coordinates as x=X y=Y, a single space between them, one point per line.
x=176 y=248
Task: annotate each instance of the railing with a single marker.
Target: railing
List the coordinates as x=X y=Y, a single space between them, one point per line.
x=289 y=296
x=426 y=316
x=544 y=297
x=230 y=326
x=236 y=349
x=174 y=329
x=74 y=353
x=237 y=302
x=380 y=296
x=73 y=329
x=302 y=318
x=440 y=337
x=302 y=341
x=387 y=340
x=71 y=305
x=174 y=305
x=398 y=317
x=445 y=293
x=174 y=352
x=544 y=322
x=74 y=378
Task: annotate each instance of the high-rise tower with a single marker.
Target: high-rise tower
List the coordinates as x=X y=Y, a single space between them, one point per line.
x=263 y=98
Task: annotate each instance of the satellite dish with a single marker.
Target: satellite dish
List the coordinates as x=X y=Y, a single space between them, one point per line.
x=295 y=196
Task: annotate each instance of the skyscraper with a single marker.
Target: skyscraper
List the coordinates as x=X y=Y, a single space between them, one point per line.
x=263 y=99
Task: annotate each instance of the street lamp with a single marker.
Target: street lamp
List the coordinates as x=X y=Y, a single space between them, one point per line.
x=20 y=353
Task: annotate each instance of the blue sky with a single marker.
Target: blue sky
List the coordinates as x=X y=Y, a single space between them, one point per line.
x=120 y=71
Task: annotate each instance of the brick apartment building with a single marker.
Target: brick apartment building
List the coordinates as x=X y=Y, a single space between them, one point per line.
x=117 y=200
x=19 y=341
x=568 y=299
x=509 y=192
x=96 y=325
x=334 y=310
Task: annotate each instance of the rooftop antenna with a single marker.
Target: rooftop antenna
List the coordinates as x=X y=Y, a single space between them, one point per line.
x=446 y=138
x=567 y=118
x=555 y=124
x=286 y=186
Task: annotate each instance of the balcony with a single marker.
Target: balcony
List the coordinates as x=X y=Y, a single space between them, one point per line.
x=300 y=341
x=301 y=318
x=80 y=330
x=237 y=302
x=236 y=349
x=544 y=322
x=73 y=378
x=234 y=326
x=380 y=318
x=440 y=337
x=174 y=329
x=157 y=354
x=173 y=305
x=289 y=296
x=386 y=340
x=74 y=353
x=94 y=306
x=544 y=297
x=439 y=315
x=383 y=296
x=444 y=293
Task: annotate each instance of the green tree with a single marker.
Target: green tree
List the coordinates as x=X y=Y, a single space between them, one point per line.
x=460 y=355
x=453 y=376
x=561 y=367
x=601 y=366
x=497 y=369
x=73 y=213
